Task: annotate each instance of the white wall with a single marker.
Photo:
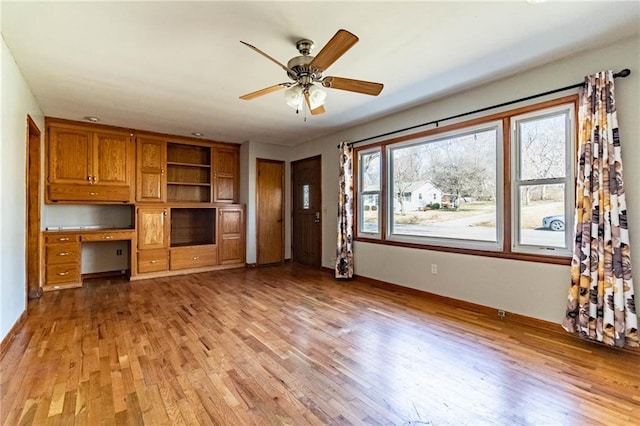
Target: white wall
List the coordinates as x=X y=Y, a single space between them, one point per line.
x=532 y=289
x=17 y=103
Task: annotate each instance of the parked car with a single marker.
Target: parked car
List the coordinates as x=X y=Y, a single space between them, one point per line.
x=555 y=222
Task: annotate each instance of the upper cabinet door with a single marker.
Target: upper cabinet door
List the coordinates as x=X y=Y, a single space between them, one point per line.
x=151 y=179
x=112 y=159
x=225 y=174
x=69 y=153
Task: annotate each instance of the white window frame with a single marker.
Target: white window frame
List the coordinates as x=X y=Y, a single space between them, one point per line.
x=362 y=193
x=568 y=181
x=495 y=246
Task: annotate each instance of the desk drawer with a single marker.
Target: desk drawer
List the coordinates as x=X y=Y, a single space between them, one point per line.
x=194 y=256
x=63 y=253
x=108 y=236
x=63 y=273
x=61 y=238
x=153 y=260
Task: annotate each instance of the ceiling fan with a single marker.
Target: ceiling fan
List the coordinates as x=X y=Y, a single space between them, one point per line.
x=306 y=71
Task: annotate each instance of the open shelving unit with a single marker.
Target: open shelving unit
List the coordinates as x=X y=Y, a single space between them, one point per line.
x=193 y=226
x=188 y=173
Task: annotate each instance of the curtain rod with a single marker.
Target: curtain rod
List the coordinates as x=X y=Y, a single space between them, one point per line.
x=624 y=73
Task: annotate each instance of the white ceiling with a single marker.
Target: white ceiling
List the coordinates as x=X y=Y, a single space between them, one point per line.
x=178 y=67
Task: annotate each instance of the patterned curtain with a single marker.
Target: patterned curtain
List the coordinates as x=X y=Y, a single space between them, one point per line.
x=344 y=252
x=601 y=303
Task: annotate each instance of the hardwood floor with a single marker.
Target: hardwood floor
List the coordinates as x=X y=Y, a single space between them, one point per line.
x=290 y=345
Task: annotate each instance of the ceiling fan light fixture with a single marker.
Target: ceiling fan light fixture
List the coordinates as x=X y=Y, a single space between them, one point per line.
x=294 y=96
x=317 y=96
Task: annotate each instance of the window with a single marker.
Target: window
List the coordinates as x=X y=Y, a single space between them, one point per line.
x=462 y=165
x=542 y=180
x=464 y=188
x=369 y=192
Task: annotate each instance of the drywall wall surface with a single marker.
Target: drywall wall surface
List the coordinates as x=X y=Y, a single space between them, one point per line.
x=263 y=151
x=17 y=102
x=527 y=288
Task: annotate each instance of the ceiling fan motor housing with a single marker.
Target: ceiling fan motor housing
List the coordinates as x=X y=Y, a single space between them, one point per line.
x=300 y=65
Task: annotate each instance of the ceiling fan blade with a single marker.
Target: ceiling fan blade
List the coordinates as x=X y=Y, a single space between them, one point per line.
x=342 y=41
x=264 y=91
x=317 y=111
x=359 y=86
x=281 y=65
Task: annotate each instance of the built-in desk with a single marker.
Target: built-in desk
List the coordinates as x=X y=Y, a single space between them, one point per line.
x=63 y=253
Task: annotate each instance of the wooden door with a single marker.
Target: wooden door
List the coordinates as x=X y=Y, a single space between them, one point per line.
x=270 y=211
x=153 y=228
x=306 y=238
x=231 y=245
x=112 y=159
x=151 y=179
x=225 y=174
x=33 y=257
x=69 y=152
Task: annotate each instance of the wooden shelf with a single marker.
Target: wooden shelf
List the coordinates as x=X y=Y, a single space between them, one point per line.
x=188 y=183
x=189 y=173
x=175 y=163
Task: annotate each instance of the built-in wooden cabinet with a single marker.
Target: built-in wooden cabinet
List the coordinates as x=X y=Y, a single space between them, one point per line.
x=185 y=192
x=62 y=260
x=152 y=224
x=151 y=179
x=153 y=227
x=225 y=175
x=88 y=164
x=188 y=173
x=231 y=235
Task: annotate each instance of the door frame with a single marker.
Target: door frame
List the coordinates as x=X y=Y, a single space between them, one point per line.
x=282 y=207
x=319 y=243
x=33 y=171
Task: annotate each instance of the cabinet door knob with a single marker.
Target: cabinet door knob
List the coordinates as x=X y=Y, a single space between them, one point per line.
x=153 y=261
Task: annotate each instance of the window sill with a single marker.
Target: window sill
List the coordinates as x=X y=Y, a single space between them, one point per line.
x=526 y=257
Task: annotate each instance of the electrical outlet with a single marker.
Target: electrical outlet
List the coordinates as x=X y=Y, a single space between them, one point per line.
x=434 y=269
x=119 y=252
x=501 y=313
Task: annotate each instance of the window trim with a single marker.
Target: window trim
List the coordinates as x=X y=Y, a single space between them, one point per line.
x=507 y=233
x=569 y=151
x=494 y=246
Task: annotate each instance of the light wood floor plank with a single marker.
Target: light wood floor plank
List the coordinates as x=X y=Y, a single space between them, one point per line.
x=290 y=345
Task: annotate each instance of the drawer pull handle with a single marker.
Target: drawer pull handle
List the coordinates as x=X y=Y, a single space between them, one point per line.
x=63 y=239
x=93 y=193
x=64 y=253
x=107 y=237
x=195 y=258
x=63 y=273
x=153 y=261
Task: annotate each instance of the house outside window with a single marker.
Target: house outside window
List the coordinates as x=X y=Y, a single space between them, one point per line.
x=500 y=185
